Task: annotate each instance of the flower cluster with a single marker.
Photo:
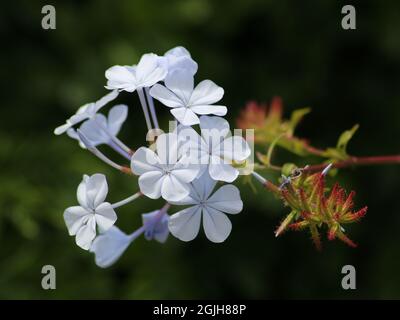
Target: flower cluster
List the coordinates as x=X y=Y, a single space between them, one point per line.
x=183 y=166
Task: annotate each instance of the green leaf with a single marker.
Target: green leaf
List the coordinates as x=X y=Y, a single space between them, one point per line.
x=340 y=152
x=345 y=138
x=296 y=117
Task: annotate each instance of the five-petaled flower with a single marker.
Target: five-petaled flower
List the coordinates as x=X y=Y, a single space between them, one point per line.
x=185 y=224
x=215 y=150
x=164 y=173
x=146 y=73
x=87 y=111
x=186 y=101
x=82 y=220
x=100 y=129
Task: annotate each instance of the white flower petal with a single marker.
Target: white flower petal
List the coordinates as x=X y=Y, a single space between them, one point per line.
x=182 y=63
x=185 y=224
x=226 y=199
x=192 y=146
x=178 y=51
x=206 y=92
x=85 y=112
x=209 y=109
x=178 y=58
x=203 y=167
x=157 y=75
x=144 y=160
x=86 y=234
x=109 y=247
x=181 y=83
x=81 y=193
x=213 y=130
x=121 y=78
x=185 y=116
x=188 y=200
x=62 y=129
x=150 y=184
x=73 y=120
x=188 y=139
x=203 y=186
x=105 y=216
x=165 y=96
x=72 y=133
x=147 y=63
x=149 y=71
x=173 y=189
x=76 y=118
x=186 y=169
x=167 y=148
x=104 y=100
x=96 y=190
x=222 y=171
x=234 y=148
x=93 y=132
x=74 y=218
x=217 y=225
x=116 y=117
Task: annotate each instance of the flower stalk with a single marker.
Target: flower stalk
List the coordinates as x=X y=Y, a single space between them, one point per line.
x=144 y=107
x=152 y=109
x=127 y=200
x=98 y=153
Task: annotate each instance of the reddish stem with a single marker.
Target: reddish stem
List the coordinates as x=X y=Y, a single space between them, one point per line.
x=357 y=161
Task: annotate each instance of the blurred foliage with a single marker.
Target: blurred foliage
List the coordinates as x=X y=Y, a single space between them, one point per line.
x=270 y=127
x=340 y=152
x=255 y=49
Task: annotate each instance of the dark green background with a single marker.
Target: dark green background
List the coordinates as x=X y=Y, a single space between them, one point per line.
x=255 y=50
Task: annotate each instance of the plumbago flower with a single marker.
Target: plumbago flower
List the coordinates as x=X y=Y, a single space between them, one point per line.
x=150 y=70
x=185 y=224
x=164 y=173
x=186 y=101
x=100 y=129
x=92 y=211
x=96 y=127
x=87 y=111
x=215 y=150
x=129 y=78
